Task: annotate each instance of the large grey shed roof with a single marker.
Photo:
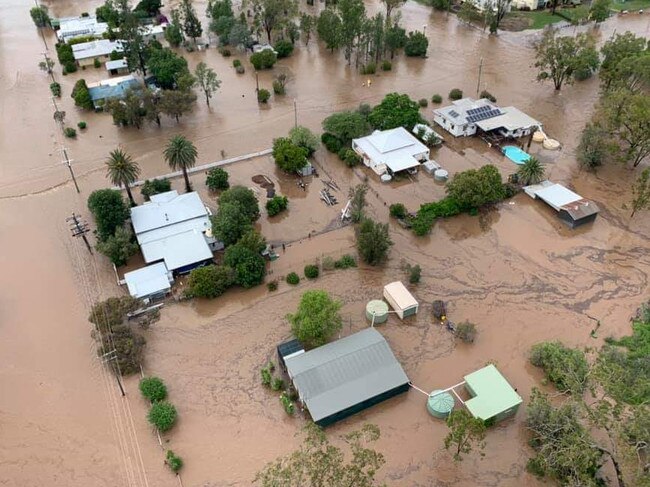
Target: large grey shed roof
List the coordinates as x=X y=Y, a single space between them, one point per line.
x=344 y=373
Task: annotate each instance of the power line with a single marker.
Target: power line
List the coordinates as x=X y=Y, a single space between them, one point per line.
x=68 y=162
x=79 y=229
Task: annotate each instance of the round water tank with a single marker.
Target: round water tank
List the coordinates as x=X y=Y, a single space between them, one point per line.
x=551 y=144
x=379 y=309
x=386 y=178
x=538 y=136
x=440 y=404
x=441 y=175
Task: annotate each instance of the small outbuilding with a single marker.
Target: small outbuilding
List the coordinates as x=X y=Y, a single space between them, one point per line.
x=150 y=282
x=288 y=349
x=493 y=398
x=347 y=376
x=117 y=66
x=400 y=299
x=572 y=208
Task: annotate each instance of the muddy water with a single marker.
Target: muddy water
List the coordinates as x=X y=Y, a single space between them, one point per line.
x=518 y=273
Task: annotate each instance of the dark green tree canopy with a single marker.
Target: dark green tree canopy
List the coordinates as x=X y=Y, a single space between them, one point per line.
x=167 y=67
x=245 y=198
x=210 y=281
x=249 y=266
x=230 y=223
x=373 y=241
x=416 y=45
x=109 y=209
x=346 y=126
x=475 y=188
x=395 y=110
x=288 y=156
x=317 y=318
x=81 y=95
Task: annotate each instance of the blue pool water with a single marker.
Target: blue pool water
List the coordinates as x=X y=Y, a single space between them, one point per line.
x=515 y=154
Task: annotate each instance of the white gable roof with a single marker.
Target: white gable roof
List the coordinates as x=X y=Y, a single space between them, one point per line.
x=391 y=140
x=152 y=279
x=167 y=209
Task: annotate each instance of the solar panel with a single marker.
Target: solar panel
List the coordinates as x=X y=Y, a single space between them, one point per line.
x=453 y=113
x=477 y=116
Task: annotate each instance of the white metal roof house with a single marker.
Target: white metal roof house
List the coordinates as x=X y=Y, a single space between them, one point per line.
x=149 y=282
x=572 y=208
x=176 y=230
x=118 y=66
x=391 y=151
x=85 y=53
x=400 y=299
x=73 y=27
x=466 y=116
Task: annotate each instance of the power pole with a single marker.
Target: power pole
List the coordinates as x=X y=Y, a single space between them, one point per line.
x=480 y=70
x=257 y=84
x=111 y=357
x=68 y=162
x=295 y=113
x=79 y=229
x=49 y=68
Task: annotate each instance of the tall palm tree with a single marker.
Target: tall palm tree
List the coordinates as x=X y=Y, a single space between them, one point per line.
x=122 y=170
x=531 y=172
x=181 y=154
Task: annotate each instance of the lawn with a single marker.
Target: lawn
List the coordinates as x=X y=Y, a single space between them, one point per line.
x=631 y=5
x=541 y=18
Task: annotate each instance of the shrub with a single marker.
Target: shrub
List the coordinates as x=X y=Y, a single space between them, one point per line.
x=350 y=157
x=174 y=462
x=70 y=132
x=305 y=138
x=429 y=212
x=119 y=246
x=293 y=278
x=236 y=63
x=244 y=257
x=81 y=95
x=240 y=70
x=373 y=241
x=153 y=389
x=345 y=262
x=225 y=52
x=416 y=45
x=287 y=404
x=114 y=56
x=565 y=367
x=263 y=95
x=283 y=47
x=162 y=415
x=70 y=67
x=370 y=68
x=267 y=374
x=276 y=205
x=414 y=272
x=436 y=98
x=327 y=263
x=311 y=271
x=109 y=209
x=466 y=331
x=278 y=88
x=155 y=186
x=455 y=94
x=397 y=210
x=209 y=281
x=475 y=188
x=273 y=285
x=386 y=66
x=96 y=63
x=488 y=95
x=217 y=179
x=277 y=384
x=55 y=88
x=82 y=125
x=331 y=142
x=423 y=102
x=263 y=60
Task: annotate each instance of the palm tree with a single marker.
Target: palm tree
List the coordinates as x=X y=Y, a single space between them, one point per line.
x=122 y=170
x=531 y=172
x=181 y=154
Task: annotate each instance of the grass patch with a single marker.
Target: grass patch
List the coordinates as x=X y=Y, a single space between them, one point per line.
x=631 y=5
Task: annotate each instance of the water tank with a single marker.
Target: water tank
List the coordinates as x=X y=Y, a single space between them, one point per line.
x=440 y=404
x=386 y=178
x=538 y=136
x=441 y=175
x=551 y=144
x=379 y=309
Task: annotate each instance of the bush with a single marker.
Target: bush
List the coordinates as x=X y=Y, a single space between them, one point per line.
x=115 y=56
x=455 y=94
x=240 y=70
x=273 y=285
x=370 y=68
x=162 y=415
x=263 y=60
x=429 y=212
x=475 y=188
x=70 y=132
x=209 y=281
x=345 y=262
x=287 y=404
x=276 y=205
x=283 y=47
x=96 y=63
x=278 y=88
x=350 y=157
x=236 y=63
x=305 y=138
x=327 y=263
x=155 y=186
x=277 y=384
x=317 y=318
x=565 y=367
x=267 y=374
x=55 y=88
x=311 y=271
x=82 y=125
x=488 y=95
x=423 y=102
x=398 y=210
x=466 y=331
x=416 y=45
x=217 y=179
x=153 y=389
x=373 y=241
x=263 y=95
x=436 y=98
x=386 y=66
x=69 y=67
x=119 y=246
x=225 y=52
x=81 y=95
x=174 y=462
x=248 y=264
x=293 y=278
x=414 y=273
x=331 y=143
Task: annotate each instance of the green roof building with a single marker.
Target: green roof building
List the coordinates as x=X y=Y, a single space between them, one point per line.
x=493 y=398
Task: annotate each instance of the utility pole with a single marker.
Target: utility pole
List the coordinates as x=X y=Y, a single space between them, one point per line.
x=79 y=229
x=295 y=113
x=49 y=68
x=40 y=29
x=257 y=83
x=111 y=357
x=480 y=70
x=68 y=162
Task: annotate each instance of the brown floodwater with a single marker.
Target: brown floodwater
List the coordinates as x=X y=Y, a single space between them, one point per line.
x=517 y=272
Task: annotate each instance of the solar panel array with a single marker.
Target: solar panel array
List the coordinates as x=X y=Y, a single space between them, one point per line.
x=482 y=113
x=453 y=113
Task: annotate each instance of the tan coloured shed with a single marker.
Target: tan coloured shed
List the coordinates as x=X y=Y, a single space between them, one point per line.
x=400 y=299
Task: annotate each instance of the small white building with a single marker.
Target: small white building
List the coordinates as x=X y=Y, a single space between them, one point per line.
x=572 y=208
x=73 y=27
x=391 y=151
x=154 y=32
x=400 y=299
x=150 y=282
x=86 y=52
x=466 y=116
x=118 y=66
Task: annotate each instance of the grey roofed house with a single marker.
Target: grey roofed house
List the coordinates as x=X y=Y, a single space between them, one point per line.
x=346 y=376
x=572 y=208
x=95 y=49
x=151 y=281
x=175 y=229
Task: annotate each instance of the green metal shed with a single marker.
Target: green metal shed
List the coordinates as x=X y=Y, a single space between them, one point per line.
x=493 y=398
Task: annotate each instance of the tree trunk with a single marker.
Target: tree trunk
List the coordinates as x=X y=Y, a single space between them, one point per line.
x=128 y=192
x=188 y=188
x=617 y=467
x=207 y=98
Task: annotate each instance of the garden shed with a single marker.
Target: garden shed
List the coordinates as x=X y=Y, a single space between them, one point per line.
x=401 y=300
x=288 y=349
x=493 y=398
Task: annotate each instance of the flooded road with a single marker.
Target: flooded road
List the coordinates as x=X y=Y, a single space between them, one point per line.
x=518 y=273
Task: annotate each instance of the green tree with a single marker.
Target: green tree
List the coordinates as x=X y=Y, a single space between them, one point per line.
x=219 y=8
x=641 y=192
x=207 y=80
x=180 y=154
x=110 y=211
x=465 y=433
x=559 y=58
x=249 y=266
x=230 y=222
x=153 y=389
x=467 y=11
x=307 y=23
x=136 y=50
x=240 y=35
x=599 y=10
x=272 y=14
x=416 y=45
x=329 y=27
x=81 y=95
x=392 y=5
x=253 y=240
x=243 y=197
x=305 y=138
x=175 y=103
x=476 y=188
x=155 y=186
x=191 y=23
x=566 y=368
x=276 y=205
x=395 y=110
x=618 y=48
x=109 y=13
x=127 y=111
x=217 y=179
x=532 y=171
x=593 y=147
x=288 y=157
x=317 y=462
x=627 y=118
x=173 y=461
x=358 y=203
x=353 y=14
x=395 y=39
x=47 y=66
x=317 y=318
x=346 y=126
x=149 y=7
x=167 y=67
x=40 y=16
x=373 y=241
x=174 y=31
x=264 y=59
x=119 y=246
x=495 y=11
x=162 y=415
x=210 y=281
x=122 y=170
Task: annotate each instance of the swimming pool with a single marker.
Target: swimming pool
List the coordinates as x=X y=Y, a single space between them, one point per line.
x=515 y=154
